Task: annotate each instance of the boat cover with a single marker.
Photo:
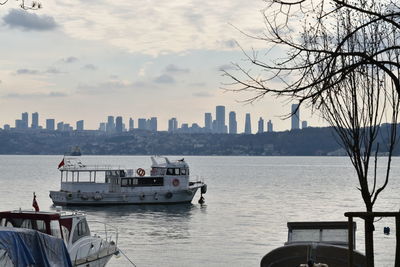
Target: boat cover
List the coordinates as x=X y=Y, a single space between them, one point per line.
x=21 y=247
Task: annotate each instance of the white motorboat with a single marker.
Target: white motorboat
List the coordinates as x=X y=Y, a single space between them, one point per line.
x=315 y=244
x=84 y=248
x=167 y=183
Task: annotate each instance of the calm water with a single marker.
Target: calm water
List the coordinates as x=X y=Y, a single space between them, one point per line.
x=248 y=203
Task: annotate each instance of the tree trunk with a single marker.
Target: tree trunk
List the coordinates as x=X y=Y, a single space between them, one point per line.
x=369 y=239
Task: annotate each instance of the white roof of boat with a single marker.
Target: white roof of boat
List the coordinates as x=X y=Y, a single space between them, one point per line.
x=169 y=164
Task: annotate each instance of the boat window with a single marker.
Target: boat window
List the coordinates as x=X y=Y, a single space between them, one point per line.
x=311 y=235
x=170 y=171
x=65 y=232
x=177 y=171
x=334 y=235
x=2 y=222
x=55 y=228
x=81 y=230
x=122 y=173
x=26 y=224
x=124 y=182
x=183 y=171
x=41 y=226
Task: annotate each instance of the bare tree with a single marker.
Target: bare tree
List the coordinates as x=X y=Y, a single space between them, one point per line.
x=34 y=5
x=342 y=60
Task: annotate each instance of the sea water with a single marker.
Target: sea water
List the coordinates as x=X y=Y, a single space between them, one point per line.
x=248 y=203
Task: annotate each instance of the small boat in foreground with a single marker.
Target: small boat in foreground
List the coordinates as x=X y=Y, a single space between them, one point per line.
x=71 y=228
x=315 y=244
x=167 y=183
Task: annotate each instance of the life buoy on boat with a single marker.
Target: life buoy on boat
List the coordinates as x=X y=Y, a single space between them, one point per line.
x=168 y=195
x=140 y=172
x=175 y=182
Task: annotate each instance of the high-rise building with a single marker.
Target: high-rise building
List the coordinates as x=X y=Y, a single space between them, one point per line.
x=118 y=124
x=260 y=125
x=35 y=120
x=220 y=119
x=142 y=124
x=247 y=125
x=270 y=126
x=24 y=120
x=60 y=126
x=6 y=127
x=131 y=124
x=50 y=124
x=153 y=124
x=103 y=126
x=18 y=124
x=208 y=122
x=232 y=123
x=295 y=116
x=79 y=125
x=172 y=125
x=304 y=124
x=110 y=124
x=67 y=127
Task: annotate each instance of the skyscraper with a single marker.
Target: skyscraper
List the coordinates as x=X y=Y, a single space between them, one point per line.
x=18 y=124
x=35 y=120
x=110 y=124
x=220 y=119
x=102 y=126
x=232 y=123
x=153 y=124
x=172 y=125
x=270 y=126
x=60 y=126
x=208 y=122
x=50 y=124
x=142 y=124
x=79 y=125
x=118 y=124
x=295 y=116
x=304 y=124
x=131 y=124
x=260 y=125
x=247 y=125
x=24 y=120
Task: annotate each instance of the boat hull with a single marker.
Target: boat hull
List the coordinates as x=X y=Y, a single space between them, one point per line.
x=63 y=198
x=297 y=254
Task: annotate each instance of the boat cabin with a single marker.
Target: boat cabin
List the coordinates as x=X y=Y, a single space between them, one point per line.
x=69 y=227
x=335 y=232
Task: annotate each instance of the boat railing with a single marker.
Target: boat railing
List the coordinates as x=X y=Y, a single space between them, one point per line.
x=107 y=231
x=82 y=167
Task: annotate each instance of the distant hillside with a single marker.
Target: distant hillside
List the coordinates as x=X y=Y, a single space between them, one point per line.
x=306 y=142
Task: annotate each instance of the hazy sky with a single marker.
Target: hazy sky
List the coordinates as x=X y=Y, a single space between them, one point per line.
x=75 y=60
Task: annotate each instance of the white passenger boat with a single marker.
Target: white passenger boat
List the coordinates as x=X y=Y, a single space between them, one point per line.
x=315 y=244
x=167 y=183
x=84 y=248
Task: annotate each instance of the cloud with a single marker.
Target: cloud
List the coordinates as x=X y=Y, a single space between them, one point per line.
x=70 y=59
x=35 y=95
x=171 y=68
x=203 y=94
x=164 y=78
x=103 y=88
x=29 y=21
x=27 y=71
x=89 y=67
x=53 y=70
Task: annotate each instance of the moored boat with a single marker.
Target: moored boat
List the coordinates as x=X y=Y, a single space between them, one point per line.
x=315 y=244
x=84 y=248
x=167 y=183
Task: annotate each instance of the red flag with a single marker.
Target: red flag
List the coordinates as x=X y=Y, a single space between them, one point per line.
x=34 y=203
x=61 y=164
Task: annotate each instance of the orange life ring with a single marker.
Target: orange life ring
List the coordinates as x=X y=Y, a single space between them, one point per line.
x=140 y=172
x=175 y=182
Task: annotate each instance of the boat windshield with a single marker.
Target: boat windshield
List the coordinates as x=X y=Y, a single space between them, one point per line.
x=38 y=225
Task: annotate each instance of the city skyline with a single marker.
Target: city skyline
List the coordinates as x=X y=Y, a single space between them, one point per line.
x=116 y=124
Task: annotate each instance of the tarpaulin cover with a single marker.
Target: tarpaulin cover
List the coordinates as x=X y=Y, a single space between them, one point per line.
x=26 y=247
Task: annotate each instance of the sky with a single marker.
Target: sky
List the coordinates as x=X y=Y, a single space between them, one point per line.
x=84 y=60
